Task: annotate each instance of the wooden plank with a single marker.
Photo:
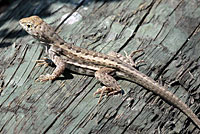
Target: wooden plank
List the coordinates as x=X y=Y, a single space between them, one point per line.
x=168 y=31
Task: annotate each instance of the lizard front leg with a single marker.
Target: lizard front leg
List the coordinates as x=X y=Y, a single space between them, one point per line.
x=111 y=86
x=60 y=66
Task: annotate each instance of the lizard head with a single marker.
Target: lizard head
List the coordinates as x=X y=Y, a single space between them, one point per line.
x=32 y=26
x=39 y=29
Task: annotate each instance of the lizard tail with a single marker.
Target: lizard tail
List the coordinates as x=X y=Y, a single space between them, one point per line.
x=150 y=84
x=171 y=98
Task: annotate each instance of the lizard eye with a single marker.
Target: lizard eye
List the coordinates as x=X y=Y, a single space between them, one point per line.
x=28 y=25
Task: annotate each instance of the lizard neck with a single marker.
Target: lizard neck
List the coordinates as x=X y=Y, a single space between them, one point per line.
x=48 y=34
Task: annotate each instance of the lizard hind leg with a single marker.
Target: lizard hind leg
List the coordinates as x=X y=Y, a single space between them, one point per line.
x=110 y=87
x=127 y=58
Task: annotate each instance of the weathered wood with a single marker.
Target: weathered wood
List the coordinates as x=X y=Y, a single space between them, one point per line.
x=168 y=31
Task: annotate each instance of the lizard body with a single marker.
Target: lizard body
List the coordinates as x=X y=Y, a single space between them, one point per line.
x=102 y=66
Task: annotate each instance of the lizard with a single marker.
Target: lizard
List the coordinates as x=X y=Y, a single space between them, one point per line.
x=102 y=66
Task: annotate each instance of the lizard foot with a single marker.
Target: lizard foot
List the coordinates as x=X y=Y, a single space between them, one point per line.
x=105 y=91
x=130 y=56
x=47 y=77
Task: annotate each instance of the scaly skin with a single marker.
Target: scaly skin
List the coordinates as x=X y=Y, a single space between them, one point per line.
x=102 y=66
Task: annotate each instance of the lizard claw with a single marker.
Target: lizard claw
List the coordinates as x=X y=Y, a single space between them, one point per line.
x=44 y=61
x=134 y=52
x=138 y=62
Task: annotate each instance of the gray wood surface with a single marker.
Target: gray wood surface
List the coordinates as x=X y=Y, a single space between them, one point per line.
x=167 y=30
